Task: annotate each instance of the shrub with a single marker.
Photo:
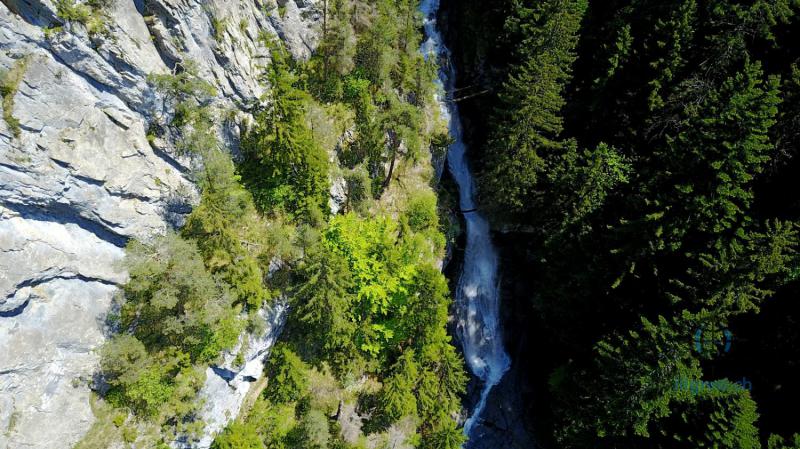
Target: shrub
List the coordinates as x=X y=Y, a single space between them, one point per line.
x=9 y=84
x=421 y=213
x=89 y=14
x=238 y=436
x=314 y=430
x=129 y=434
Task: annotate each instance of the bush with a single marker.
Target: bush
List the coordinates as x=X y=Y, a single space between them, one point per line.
x=89 y=14
x=9 y=84
x=421 y=213
x=129 y=434
x=314 y=430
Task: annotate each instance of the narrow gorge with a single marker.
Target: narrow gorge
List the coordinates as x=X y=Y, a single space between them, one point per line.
x=477 y=300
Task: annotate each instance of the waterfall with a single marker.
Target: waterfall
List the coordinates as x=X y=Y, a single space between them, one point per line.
x=477 y=299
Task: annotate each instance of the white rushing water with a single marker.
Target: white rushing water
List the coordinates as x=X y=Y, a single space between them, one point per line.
x=477 y=300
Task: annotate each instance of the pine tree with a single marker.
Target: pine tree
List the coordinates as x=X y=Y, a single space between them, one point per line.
x=708 y=166
x=719 y=414
x=228 y=231
x=445 y=436
x=287 y=376
x=238 y=436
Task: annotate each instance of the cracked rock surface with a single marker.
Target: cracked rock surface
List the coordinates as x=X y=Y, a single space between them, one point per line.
x=79 y=177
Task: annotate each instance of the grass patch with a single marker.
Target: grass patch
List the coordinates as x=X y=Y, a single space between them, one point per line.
x=89 y=14
x=219 y=26
x=112 y=425
x=9 y=84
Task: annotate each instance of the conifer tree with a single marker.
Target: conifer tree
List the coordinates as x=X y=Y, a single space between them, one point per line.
x=398 y=391
x=324 y=303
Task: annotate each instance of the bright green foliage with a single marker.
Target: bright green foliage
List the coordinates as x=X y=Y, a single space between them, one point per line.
x=531 y=103
x=383 y=272
x=375 y=56
x=370 y=284
x=287 y=378
x=285 y=168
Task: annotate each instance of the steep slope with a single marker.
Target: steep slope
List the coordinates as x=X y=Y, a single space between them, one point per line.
x=80 y=174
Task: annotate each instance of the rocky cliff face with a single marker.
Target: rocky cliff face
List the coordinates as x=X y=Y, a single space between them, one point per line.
x=79 y=176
